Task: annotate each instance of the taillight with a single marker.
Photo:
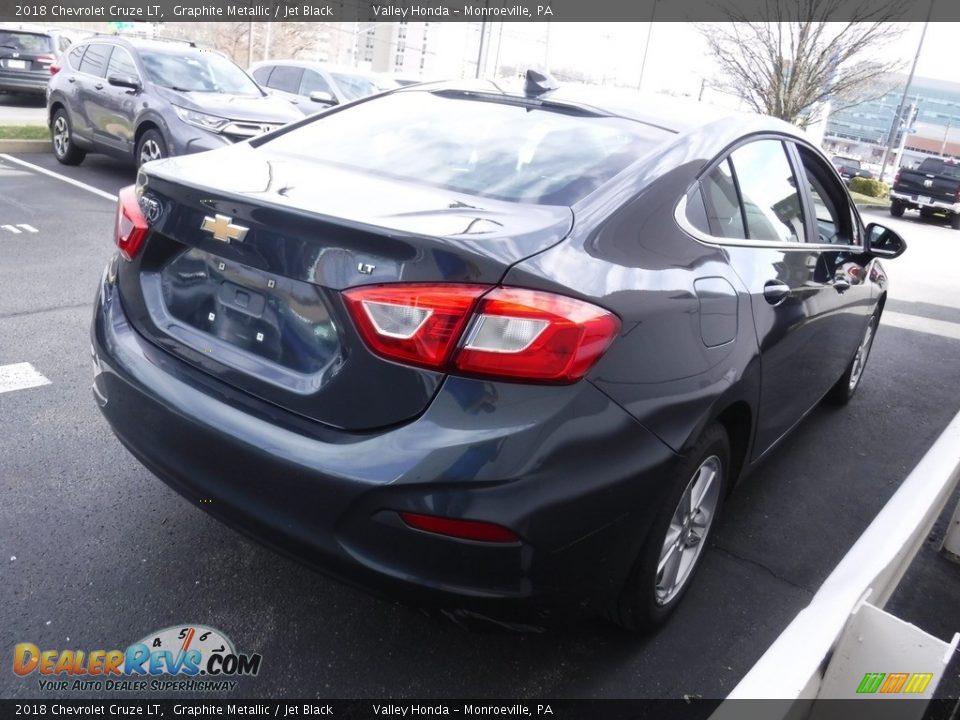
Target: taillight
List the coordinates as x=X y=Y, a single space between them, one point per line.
x=54 y=69
x=131 y=226
x=45 y=59
x=462 y=529
x=509 y=333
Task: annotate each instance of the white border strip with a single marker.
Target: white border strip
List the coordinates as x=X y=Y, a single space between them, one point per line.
x=872 y=568
x=76 y=183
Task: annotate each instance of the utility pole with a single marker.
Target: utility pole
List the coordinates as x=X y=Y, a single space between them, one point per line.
x=907 y=126
x=903 y=98
x=250 y=46
x=483 y=33
x=946 y=134
x=646 y=46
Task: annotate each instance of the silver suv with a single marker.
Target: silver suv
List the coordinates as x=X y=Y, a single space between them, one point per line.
x=148 y=99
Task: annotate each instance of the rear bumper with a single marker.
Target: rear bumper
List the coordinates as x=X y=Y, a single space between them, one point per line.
x=565 y=468
x=24 y=83
x=912 y=200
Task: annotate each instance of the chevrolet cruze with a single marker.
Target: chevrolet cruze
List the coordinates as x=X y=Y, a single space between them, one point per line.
x=488 y=350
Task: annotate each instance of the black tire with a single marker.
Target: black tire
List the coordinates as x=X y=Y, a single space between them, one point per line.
x=896 y=208
x=642 y=605
x=151 y=146
x=955 y=222
x=844 y=390
x=61 y=136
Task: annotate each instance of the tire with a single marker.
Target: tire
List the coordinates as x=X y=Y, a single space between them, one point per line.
x=646 y=600
x=846 y=387
x=151 y=146
x=61 y=136
x=896 y=208
x=955 y=222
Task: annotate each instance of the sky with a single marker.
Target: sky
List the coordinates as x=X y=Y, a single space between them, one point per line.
x=677 y=58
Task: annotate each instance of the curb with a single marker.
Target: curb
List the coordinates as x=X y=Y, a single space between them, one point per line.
x=24 y=146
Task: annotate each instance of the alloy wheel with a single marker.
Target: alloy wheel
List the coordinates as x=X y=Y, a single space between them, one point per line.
x=61 y=136
x=860 y=359
x=150 y=150
x=688 y=529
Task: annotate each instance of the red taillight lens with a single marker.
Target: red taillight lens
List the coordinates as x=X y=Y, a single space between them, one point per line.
x=131 y=224
x=415 y=324
x=531 y=334
x=462 y=529
x=54 y=69
x=508 y=333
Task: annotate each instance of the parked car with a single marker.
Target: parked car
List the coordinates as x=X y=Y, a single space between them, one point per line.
x=933 y=189
x=314 y=86
x=486 y=350
x=849 y=168
x=149 y=99
x=28 y=56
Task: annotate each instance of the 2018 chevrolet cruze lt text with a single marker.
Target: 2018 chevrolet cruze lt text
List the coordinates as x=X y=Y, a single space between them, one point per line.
x=486 y=349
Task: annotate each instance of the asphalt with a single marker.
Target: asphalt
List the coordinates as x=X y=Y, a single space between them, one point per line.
x=105 y=553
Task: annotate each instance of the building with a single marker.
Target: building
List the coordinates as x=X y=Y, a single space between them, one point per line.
x=861 y=131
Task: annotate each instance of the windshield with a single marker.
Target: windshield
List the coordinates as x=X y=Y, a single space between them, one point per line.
x=493 y=149
x=354 y=86
x=197 y=72
x=25 y=42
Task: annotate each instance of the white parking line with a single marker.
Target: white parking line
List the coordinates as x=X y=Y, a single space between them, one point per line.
x=28 y=228
x=20 y=376
x=11 y=228
x=942 y=328
x=58 y=176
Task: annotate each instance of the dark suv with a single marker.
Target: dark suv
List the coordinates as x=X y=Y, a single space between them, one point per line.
x=27 y=55
x=149 y=99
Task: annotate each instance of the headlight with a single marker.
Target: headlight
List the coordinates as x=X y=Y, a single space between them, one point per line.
x=201 y=120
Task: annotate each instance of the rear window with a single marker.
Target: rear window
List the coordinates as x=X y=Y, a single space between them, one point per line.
x=484 y=148
x=939 y=167
x=25 y=42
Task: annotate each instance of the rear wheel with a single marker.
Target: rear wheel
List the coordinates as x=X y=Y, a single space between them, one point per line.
x=61 y=133
x=843 y=391
x=677 y=538
x=151 y=146
x=896 y=208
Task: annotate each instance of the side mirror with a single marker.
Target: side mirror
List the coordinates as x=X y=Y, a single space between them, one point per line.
x=883 y=242
x=325 y=98
x=124 y=81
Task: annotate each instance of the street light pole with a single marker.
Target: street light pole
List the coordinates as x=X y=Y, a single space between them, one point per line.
x=903 y=99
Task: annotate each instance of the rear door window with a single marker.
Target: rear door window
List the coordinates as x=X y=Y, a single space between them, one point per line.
x=95 y=59
x=724 y=214
x=73 y=58
x=769 y=191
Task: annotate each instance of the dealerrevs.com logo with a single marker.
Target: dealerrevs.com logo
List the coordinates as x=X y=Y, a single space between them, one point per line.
x=186 y=658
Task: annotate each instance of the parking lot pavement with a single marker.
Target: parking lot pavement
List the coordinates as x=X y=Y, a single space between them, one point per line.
x=23 y=109
x=96 y=553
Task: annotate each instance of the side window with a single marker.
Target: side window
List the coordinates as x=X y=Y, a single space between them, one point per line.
x=74 y=56
x=63 y=42
x=262 y=73
x=769 y=190
x=835 y=218
x=719 y=192
x=121 y=64
x=95 y=59
x=314 y=82
x=286 y=79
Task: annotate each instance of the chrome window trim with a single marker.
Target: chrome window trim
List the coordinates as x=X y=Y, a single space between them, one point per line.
x=680 y=216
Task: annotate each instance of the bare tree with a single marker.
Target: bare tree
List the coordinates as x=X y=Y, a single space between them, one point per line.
x=790 y=66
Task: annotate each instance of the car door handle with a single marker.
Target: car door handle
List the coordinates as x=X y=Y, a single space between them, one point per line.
x=775 y=291
x=99 y=86
x=841 y=285
x=71 y=79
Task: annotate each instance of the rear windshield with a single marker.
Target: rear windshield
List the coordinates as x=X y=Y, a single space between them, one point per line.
x=848 y=162
x=491 y=149
x=935 y=166
x=25 y=42
x=206 y=72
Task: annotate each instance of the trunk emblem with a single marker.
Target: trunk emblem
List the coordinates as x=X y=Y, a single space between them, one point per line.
x=928 y=183
x=223 y=228
x=366 y=268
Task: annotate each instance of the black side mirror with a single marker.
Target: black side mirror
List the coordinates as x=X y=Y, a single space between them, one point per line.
x=124 y=81
x=325 y=98
x=883 y=242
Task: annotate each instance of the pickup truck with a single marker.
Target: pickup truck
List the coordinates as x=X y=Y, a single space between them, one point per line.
x=849 y=168
x=933 y=188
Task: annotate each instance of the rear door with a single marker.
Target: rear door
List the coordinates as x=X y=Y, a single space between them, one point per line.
x=781 y=265
x=116 y=121
x=91 y=81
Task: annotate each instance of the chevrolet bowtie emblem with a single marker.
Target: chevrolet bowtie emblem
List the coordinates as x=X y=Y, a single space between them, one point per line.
x=223 y=228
